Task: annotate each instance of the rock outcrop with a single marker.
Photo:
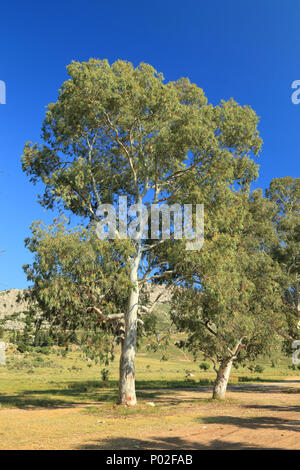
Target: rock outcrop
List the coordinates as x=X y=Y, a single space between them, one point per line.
x=10 y=307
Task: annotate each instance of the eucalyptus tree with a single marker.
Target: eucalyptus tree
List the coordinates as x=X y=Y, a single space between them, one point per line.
x=228 y=301
x=285 y=194
x=116 y=130
x=79 y=284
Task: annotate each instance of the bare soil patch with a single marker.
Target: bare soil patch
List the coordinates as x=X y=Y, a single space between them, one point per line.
x=264 y=416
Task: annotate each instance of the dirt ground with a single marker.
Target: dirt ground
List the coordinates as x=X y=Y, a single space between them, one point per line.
x=264 y=416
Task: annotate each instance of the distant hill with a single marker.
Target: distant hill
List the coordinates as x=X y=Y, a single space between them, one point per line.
x=161 y=291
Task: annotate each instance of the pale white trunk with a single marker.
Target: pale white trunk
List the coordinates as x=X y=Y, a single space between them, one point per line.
x=222 y=380
x=127 y=394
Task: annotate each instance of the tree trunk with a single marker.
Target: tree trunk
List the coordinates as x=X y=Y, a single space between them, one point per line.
x=298 y=304
x=127 y=370
x=222 y=380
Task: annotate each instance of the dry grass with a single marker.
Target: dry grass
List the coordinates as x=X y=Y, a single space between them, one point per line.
x=60 y=403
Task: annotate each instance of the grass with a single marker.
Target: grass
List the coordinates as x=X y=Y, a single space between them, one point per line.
x=38 y=380
x=58 y=401
x=51 y=401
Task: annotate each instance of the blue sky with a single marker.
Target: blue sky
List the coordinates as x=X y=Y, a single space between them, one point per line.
x=248 y=50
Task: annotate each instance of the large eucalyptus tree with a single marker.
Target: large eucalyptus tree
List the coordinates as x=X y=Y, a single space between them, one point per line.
x=116 y=130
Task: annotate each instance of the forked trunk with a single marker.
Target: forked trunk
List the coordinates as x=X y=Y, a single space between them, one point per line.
x=127 y=394
x=222 y=380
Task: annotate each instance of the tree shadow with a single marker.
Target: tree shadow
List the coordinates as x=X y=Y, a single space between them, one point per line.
x=275 y=387
x=261 y=422
x=71 y=394
x=166 y=443
x=76 y=393
x=27 y=403
x=277 y=408
x=173 y=384
x=65 y=395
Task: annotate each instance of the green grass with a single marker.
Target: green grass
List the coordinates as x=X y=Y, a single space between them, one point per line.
x=38 y=380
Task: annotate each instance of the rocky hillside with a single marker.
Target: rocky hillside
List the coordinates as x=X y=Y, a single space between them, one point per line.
x=155 y=291
x=10 y=306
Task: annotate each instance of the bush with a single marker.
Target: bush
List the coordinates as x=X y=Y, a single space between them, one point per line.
x=39 y=359
x=105 y=374
x=22 y=347
x=204 y=366
x=256 y=368
x=43 y=349
x=249 y=379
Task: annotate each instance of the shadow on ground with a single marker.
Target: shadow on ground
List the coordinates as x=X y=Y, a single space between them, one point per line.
x=166 y=443
x=65 y=395
x=261 y=422
x=75 y=393
x=230 y=425
x=71 y=394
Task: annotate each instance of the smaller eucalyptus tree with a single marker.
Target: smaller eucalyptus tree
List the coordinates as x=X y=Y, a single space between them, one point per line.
x=228 y=303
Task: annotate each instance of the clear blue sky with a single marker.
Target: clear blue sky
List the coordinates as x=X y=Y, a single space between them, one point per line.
x=248 y=50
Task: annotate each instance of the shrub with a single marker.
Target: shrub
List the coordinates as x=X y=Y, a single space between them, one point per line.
x=204 y=366
x=105 y=374
x=22 y=347
x=39 y=359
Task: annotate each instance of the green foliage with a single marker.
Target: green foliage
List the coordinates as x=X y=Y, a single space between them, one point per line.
x=105 y=374
x=229 y=303
x=204 y=366
x=285 y=194
x=118 y=130
x=22 y=347
x=79 y=283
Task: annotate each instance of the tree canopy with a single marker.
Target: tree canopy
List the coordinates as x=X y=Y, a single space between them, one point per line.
x=79 y=283
x=229 y=302
x=285 y=194
x=118 y=130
